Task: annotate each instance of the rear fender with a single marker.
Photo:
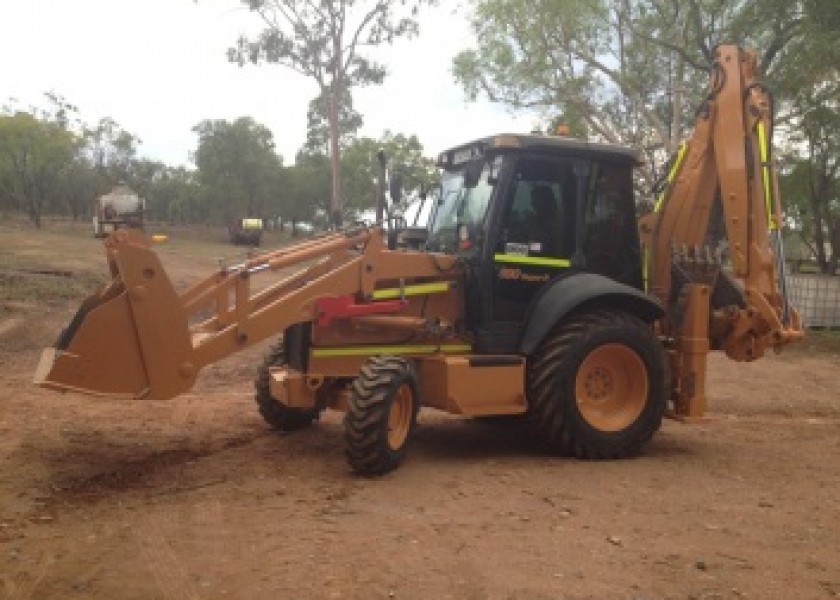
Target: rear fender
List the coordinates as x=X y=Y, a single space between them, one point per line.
x=574 y=291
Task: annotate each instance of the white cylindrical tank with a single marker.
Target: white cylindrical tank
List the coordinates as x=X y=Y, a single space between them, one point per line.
x=121 y=200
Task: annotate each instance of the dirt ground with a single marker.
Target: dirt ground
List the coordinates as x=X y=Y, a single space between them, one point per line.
x=198 y=498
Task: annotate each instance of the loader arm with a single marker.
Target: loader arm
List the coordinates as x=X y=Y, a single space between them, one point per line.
x=139 y=337
x=736 y=304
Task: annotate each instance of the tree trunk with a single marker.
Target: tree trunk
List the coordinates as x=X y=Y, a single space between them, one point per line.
x=34 y=213
x=819 y=236
x=835 y=247
x=816 y=193
x=335 y=162
x=336 y=89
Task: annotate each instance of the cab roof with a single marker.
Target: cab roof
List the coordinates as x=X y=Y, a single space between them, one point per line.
x=535 y=143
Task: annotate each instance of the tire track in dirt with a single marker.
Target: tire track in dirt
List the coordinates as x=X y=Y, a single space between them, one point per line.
x=162 y=561
x=135 y=474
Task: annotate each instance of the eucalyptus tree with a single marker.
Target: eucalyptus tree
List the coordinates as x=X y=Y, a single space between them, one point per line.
x=111 y=150
x=236 y=164
x=305 y=190
x=810 y=181
x=406 y=166
x=34 y=153
x=632 y=72
x=318 y=127
x=326 y=41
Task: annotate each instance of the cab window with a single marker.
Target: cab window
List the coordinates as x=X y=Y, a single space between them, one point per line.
x=540 y=215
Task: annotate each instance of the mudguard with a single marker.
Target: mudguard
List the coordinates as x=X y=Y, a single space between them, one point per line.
x=572 y=292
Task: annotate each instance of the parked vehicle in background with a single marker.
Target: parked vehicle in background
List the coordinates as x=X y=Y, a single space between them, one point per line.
x=245 y=231
x=118 y=209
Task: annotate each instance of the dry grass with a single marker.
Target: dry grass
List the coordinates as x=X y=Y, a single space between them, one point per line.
x=55 y=267
x=818 y=341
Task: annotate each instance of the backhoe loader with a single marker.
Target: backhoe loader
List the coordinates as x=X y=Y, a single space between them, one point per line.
x=534 y=292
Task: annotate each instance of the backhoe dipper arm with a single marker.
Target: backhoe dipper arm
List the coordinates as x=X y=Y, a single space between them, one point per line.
x=139 y=337
x=727 y=157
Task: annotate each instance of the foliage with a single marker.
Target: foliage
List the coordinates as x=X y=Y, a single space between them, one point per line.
x=633 y=72
x=623 y=72
x=811 y=183
x=237 y=165
x=324 y=40
x=306 y=190
x=238 y=172
x=34 y=153
x=317 y=124
x=78 y=185
x=361 y=171
x=52 y=161
x=110 y=150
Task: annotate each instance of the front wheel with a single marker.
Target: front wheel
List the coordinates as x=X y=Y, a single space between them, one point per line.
x=381 y=416
x=597 y=386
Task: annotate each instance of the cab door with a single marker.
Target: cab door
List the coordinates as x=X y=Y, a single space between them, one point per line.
x=535 y=235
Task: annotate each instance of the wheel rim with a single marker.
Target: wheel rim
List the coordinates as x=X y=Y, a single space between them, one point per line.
x=399 y=417
x=611 y=387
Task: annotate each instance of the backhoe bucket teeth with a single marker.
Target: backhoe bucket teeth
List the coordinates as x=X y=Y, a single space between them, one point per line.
x=130 y=338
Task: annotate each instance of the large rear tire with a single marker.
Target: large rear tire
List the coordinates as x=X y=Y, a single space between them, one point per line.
x=381 y=416
x=597 y=386
x=279 y=415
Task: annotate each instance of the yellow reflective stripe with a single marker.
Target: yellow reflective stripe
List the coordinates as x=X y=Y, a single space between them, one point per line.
x=376 y=350
x=765 y=173
x=681 y=150
x=536 y=261
x=645 y=267
x=411 y=290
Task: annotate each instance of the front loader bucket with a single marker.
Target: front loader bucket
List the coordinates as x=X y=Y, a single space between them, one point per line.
x=129 y=339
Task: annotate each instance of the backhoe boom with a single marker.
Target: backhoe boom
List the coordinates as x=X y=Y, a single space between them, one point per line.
x=727 y=161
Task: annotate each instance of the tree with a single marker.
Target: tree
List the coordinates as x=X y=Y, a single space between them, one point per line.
x=630 y=72
x=318 y=129
x=811 y=182
x=324 y=40
x=172 y=194
x=361 y=170
x=33 y=155
x=79 y=184
x=306 y=190
x=236 y=164
x=111 y=150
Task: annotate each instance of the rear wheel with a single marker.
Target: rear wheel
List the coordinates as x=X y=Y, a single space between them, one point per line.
x=381 y=416
x=597 y=387
x=276 y=414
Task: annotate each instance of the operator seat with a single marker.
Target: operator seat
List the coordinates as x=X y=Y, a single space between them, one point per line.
x=545 y=227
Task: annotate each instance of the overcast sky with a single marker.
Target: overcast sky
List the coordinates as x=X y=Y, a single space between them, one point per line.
x=158 y=67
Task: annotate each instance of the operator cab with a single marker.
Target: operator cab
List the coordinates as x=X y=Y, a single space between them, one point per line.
x=527 y=210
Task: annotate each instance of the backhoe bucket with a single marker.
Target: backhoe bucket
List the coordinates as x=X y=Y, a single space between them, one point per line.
x=129 y=339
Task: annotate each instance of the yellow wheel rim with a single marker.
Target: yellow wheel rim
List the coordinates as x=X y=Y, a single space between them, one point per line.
x=611 y=387
x=399 y=418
